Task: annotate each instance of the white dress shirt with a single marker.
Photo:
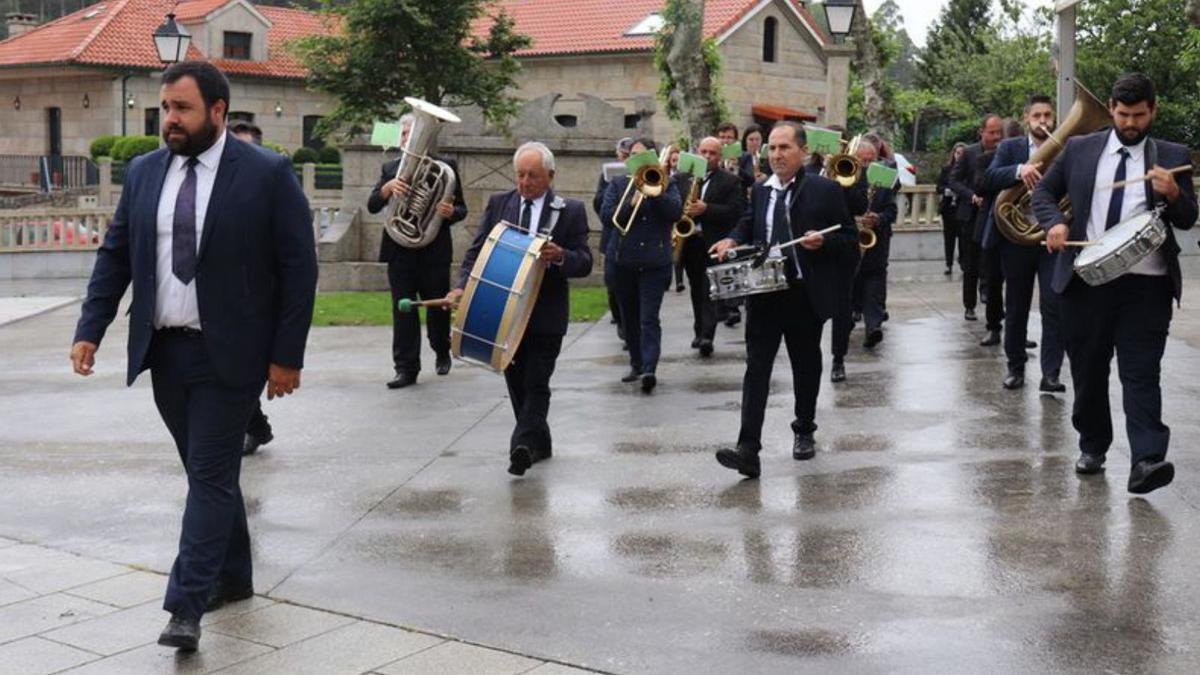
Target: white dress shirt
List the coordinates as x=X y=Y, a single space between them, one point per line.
x=1033 y=147
x=175 y=302
x=1132 y=204
x=774 y=184
x=535 y=212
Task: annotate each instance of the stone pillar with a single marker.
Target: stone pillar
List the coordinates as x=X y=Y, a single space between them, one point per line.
x=104 y=191
x=837 y=83
x=309 y=182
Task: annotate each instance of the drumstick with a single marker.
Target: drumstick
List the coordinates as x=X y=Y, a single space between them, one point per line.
x=731 y=253
x=1123 y=183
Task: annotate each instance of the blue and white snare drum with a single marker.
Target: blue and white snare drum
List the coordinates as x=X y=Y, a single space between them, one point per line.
x=499 y=297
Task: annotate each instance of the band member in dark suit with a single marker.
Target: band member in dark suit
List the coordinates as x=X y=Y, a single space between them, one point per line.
x=871 y=283
x=422 y=273
x=965 y=179
x=788 y=204
x=1022 y=265
x=752 y=167
x=717 y=208
x=1132 y=313
x=643 y=269
x=606 y=231
x=729 y=311
x=216 y=238
x=534 y=207
x=949 y=206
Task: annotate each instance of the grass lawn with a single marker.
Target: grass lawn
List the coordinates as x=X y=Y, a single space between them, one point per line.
x=374 y=309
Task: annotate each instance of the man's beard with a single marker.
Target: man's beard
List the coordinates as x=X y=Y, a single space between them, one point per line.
x=1042 y=131
x=191 y=146
x=1141 y=135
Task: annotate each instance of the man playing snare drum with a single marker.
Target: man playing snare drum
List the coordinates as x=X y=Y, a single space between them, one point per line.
x=1132 y=312
x=534 y=207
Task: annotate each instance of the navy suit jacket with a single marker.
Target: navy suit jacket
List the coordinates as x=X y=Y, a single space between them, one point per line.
x=818 y=204
x=648 y=242
x=551 y=313
x=256 y=271
x=441 y=249
x=1001 y=175
x=1073 y=174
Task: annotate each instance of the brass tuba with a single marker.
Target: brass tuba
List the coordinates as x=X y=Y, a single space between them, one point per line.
x=1014 y=208
x=648 y=181
x=412 y=220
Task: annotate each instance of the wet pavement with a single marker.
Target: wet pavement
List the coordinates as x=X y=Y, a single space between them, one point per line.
x=939 y=529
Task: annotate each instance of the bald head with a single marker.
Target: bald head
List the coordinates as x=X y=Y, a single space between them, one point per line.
x=710 y=150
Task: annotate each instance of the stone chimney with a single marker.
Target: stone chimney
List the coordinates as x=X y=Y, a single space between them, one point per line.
x=18 y=23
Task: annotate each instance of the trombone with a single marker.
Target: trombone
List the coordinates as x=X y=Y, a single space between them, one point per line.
x=649 y=181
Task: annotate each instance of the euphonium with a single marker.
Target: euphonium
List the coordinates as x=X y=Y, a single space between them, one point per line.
x=412 y=220
x=1014 y=212
x=647 y=181
x=684 y=227
x=844 y=168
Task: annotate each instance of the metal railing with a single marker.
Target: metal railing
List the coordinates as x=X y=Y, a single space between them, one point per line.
x=53 y=229
x=47 y=172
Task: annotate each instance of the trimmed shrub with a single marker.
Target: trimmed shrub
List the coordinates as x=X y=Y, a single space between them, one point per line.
x=304 y=156
x=102 y=146
x=275 y=147
x=128 y=147
x=329 y=155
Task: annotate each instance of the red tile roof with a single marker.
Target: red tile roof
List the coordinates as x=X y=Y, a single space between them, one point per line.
x=563 y=27
x=117 y=33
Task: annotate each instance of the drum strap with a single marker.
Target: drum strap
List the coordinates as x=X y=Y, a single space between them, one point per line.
x=1153 y=199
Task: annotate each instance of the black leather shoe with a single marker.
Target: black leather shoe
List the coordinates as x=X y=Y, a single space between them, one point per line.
x=1149 y=476
x=741 y=460
x=969 y=315
x=443 y=364
x=1014 y=380
x=991 y=339
x=223 y=594
x=402 y=380
x=1051 y=385
x=519 y=460
x=873 y=338
x=804 y=447
x=1030 y=344
x=886 y=316
x=1089 y=464
x=734 y=318
x=837 y=373
x=631 y=376
x=947 y=272
x=253 y=441
x=706 y=348
x=649 y=382
x=695 y=343
x=855 y=317
x=678 y=288
x=181 y=633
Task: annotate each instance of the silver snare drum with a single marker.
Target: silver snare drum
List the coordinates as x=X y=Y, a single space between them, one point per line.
x=1120 y=248
x=739 y=279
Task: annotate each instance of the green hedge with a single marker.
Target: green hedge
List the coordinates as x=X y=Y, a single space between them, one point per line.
x=102 y=146
x=329 y=155
x=128 y=147
x=305 y=156
x=277 y=148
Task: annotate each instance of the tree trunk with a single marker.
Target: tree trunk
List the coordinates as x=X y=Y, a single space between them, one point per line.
x=872 y=76
x=693 y=81
x=1193 y=12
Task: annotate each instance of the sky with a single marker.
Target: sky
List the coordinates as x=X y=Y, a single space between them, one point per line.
x=918 y=14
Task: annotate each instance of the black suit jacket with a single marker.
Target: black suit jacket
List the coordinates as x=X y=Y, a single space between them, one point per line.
x=1001 y=174
x=725 y=200
x=1073 y=174
x=818 y=204
x=552 y=311
x=441 y=249
x=256 y=271
x=964 y=181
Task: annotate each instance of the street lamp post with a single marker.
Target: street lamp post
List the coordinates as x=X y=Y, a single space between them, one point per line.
x=172 y=41
x=839 y=16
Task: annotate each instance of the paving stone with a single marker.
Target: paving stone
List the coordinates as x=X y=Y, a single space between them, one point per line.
x=35 y=656
x=4 y=541
x=127 y=590
x=216 y=652
x=452 y=658
x=10 y=592
x=557 y=669
x=46 y=570
x=116 y=632
x=236 y=609
x=281 y=624
x=30 y=617
x=356 y=648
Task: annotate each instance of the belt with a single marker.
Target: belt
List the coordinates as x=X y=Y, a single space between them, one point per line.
x=182 y=331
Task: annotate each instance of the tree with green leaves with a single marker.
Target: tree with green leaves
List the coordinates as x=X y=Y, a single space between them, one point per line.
x=959 y=31
x=388 y=49
x=690 y=68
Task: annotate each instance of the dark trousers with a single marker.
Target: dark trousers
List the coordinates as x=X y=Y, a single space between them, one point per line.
x=610 y=289
x=991 y=274
x=949 y=236
x=695 y=263
x=528 y=380
x=786 y=315
x=640 y=293
x=258 y=425
x=872 y=283
x=207 y=420
x=418 y=281
x=841 y=323
x=968 y=259
x=1022 y=266
x=1131 y=315
x=679 y=270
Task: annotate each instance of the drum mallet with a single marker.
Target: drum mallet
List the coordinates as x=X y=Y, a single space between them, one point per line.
x=406 y=305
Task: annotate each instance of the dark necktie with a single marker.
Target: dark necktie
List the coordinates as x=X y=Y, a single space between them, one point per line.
x=183 y=233
x=781 y=231
x=527 y=215
x=1118 y=194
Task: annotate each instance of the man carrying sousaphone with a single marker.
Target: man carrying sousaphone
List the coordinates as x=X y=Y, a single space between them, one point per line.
x=535 y=208
x=1112 y=177
x=783 y=207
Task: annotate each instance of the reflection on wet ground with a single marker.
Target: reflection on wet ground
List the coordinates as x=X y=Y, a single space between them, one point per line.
x=810 y=643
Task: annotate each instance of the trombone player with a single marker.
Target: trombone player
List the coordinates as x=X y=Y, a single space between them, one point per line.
x=640 y=249
x=417 y=273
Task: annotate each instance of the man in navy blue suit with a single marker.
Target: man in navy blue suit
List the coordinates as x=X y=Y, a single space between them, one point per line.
x=1022 y=264
x=783 y=207
x=216 y=238
x=1132 y=313
x=534 y=207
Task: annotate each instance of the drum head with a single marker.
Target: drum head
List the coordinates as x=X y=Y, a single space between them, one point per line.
x=1113 y=239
